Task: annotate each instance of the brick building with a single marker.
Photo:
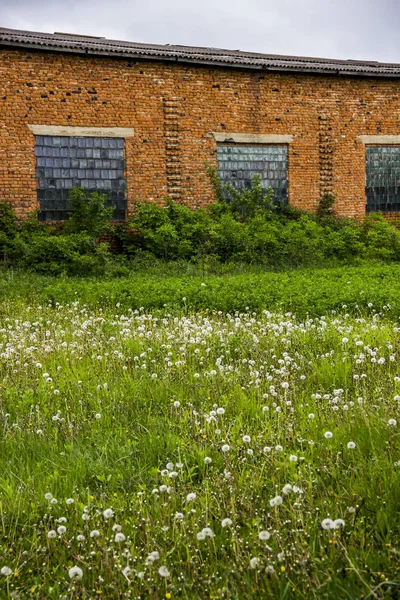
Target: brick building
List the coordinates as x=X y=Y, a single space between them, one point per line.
x=139 y=121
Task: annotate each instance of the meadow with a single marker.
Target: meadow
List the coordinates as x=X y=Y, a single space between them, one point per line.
x=201 y=436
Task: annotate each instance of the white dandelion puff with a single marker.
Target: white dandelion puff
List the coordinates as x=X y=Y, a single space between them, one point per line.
x=226 y=522
x=75 y=573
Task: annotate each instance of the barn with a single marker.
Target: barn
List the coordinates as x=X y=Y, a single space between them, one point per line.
x=143 y=121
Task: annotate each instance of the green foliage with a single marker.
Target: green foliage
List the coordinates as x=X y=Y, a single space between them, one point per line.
x=75 y=254
x=157 y=285
x=169 y=232
x=212 y=173
x=246 y=204
x=8 y=220
x=89 y=213
x=72 y=249
x=249 y=228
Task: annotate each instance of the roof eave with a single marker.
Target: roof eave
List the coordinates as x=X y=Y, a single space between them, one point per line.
x=193 y=61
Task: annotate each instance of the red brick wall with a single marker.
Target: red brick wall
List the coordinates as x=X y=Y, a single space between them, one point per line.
x=173 y=108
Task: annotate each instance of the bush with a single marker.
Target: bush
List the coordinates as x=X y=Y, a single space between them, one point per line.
x=75 y=254
x=246 y=228
x=170 y=232
x=89 y=213
x=71 y=249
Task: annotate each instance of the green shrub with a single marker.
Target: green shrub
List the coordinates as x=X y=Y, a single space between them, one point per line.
x=89 y=213
x=169 y=232
x=74 y=254
x=8 y=220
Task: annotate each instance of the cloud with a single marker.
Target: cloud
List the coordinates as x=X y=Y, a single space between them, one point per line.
x=358 y=29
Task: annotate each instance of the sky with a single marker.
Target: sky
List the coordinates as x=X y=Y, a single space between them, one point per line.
x=344 y=29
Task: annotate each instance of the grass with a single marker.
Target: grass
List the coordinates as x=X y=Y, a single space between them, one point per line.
x=112 y=407
x=305 y=292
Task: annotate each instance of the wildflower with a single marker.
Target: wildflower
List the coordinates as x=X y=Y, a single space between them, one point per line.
x=53 y=501
x=264 y=535
x=392 y=422
x=108 y=513
x=267 y=449
x=311 y=416
x=62 y=529
x=208 y=460
x=351 y=509
x=116 y=527
x=95 y=533
x=152 y=557
x=277 y=501
x=279 y=448
x=69 y=501
x=270 y=569
x=6 y=571
x=246 y=439
x=173 y=474
x=48 y=496
x=205 y=532
x=80 y=538
x=351 y=445
x=293 y=458
x=209 y=532
x=85 y=517
x=327 y=524
x=220 y=411
x=163 y=572
x=97 y=416
x=254 y=562
x=51 y=534
x=338 y=523
x=177 y=404
x=225 y=448
x=226 y=522
x=179 y=516
x=119 y=537
x=328 y=434
x=190 y=497
x=126 y=571
x=287 y=488
x=75 y=573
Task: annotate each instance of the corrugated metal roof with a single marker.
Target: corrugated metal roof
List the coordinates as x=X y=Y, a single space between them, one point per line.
x=98 y=46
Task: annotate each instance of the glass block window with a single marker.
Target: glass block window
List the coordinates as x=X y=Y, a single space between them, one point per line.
x=383 y=178
x=238 y=163
x=94 y=163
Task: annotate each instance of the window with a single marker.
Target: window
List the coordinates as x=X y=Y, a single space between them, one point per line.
x=95 y=163
x=238 y=163
x=383 y=178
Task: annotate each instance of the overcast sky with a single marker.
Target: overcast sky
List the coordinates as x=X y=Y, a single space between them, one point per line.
x=357 y=29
